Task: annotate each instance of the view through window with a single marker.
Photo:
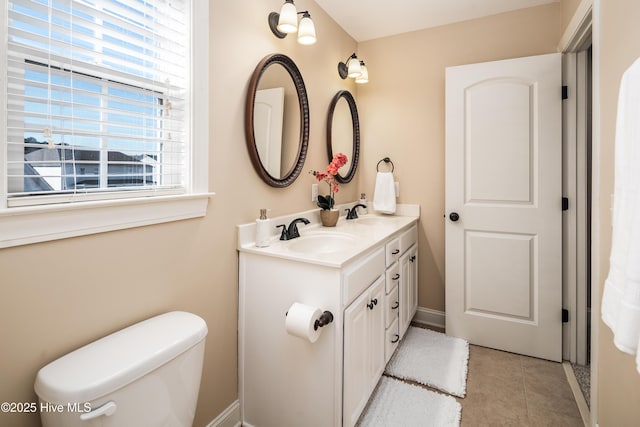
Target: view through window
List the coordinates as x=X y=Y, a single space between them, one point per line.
x=97 y=95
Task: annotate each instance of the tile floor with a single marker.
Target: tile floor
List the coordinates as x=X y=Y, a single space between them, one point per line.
x=506 y=389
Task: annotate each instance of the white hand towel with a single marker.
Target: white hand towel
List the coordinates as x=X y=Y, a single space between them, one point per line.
x=384 y=196
x=621 y=297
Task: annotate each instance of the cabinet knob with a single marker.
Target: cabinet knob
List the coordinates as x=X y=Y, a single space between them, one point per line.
x=396 y=339
x=396 y=276
x=395 y=252
x=370 y=305
x=413 y=258
x=397 y=304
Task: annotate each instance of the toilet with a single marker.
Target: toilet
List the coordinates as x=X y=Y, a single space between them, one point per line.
x=147 y=375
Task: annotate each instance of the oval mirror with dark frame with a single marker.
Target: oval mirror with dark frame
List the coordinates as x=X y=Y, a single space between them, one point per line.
x=343 y=133
x=277 y=120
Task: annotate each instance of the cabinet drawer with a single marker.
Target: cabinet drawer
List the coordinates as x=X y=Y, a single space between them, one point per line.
x=393 y=277
x=391 y=303
x=391 y=340
x=392 y=249
x=408 y=238
x=358 y=277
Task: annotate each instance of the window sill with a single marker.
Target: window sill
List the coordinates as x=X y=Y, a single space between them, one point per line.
x=22 y=226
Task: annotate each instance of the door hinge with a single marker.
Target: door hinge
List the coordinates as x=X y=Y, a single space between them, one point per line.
x=565 y=92
x=565 y=203
x=565 y=315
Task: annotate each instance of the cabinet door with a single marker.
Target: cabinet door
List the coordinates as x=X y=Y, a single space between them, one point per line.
x=356 y=353
x=413 y=281
x=364 y=332
x=408 y=288
x=377 y=329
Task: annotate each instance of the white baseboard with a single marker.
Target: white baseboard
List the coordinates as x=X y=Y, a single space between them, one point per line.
x=230 y=417
x=427 y=316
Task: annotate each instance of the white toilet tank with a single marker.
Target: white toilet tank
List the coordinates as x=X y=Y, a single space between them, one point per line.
x=147 y=375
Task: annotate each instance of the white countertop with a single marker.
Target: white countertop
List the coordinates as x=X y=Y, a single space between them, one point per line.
x=367 y=231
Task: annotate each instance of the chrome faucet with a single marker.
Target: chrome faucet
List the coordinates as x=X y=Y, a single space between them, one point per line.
x=291 y=232
x=352 y=213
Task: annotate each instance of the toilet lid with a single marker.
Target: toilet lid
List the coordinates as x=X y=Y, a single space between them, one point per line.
x=116 y=360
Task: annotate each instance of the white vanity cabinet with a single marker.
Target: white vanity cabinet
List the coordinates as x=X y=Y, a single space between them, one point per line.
x=285 y=380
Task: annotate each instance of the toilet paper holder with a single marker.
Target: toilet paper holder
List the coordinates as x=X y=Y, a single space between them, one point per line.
x=325 y=318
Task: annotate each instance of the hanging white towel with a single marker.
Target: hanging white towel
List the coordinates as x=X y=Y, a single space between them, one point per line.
x=621 y=297
x=384 y=196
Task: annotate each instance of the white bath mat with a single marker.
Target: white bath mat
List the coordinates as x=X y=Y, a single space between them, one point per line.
x=396 y=403
x=433 y=359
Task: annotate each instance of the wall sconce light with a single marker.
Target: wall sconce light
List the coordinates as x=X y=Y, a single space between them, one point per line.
x=353 y=68
x=364 y=74
x=286 y=22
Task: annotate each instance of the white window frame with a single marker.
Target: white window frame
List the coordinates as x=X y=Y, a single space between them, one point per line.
x=32 y=224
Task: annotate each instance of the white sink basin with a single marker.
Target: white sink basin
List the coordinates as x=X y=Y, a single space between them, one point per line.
x=322 y=243
x=371 y=220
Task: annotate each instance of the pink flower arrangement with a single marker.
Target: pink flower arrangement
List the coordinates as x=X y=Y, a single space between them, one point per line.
x=329 y=176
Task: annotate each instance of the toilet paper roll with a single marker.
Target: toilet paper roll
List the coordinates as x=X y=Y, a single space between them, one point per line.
x=300 y=320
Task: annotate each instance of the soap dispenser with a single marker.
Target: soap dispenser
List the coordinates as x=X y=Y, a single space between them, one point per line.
x=263 y=230
x=363 y=201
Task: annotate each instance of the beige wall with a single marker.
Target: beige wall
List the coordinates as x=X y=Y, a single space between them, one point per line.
x=403 y=111
x=60 y=295
x=618 y=379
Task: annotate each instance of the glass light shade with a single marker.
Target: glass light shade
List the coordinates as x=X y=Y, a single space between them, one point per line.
x=306 y=30
x=364 y=77
x=288 y=20
x=353 y=68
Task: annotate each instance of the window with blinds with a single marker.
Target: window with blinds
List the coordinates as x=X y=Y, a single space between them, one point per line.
x=97 y=99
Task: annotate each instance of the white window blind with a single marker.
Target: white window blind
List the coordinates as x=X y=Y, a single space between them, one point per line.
x=97 y=99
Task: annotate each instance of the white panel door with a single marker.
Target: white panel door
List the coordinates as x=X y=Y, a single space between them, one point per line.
x=268 y=117
x=503 y=205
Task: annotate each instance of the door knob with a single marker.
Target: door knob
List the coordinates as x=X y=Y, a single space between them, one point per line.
x=453 y=216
